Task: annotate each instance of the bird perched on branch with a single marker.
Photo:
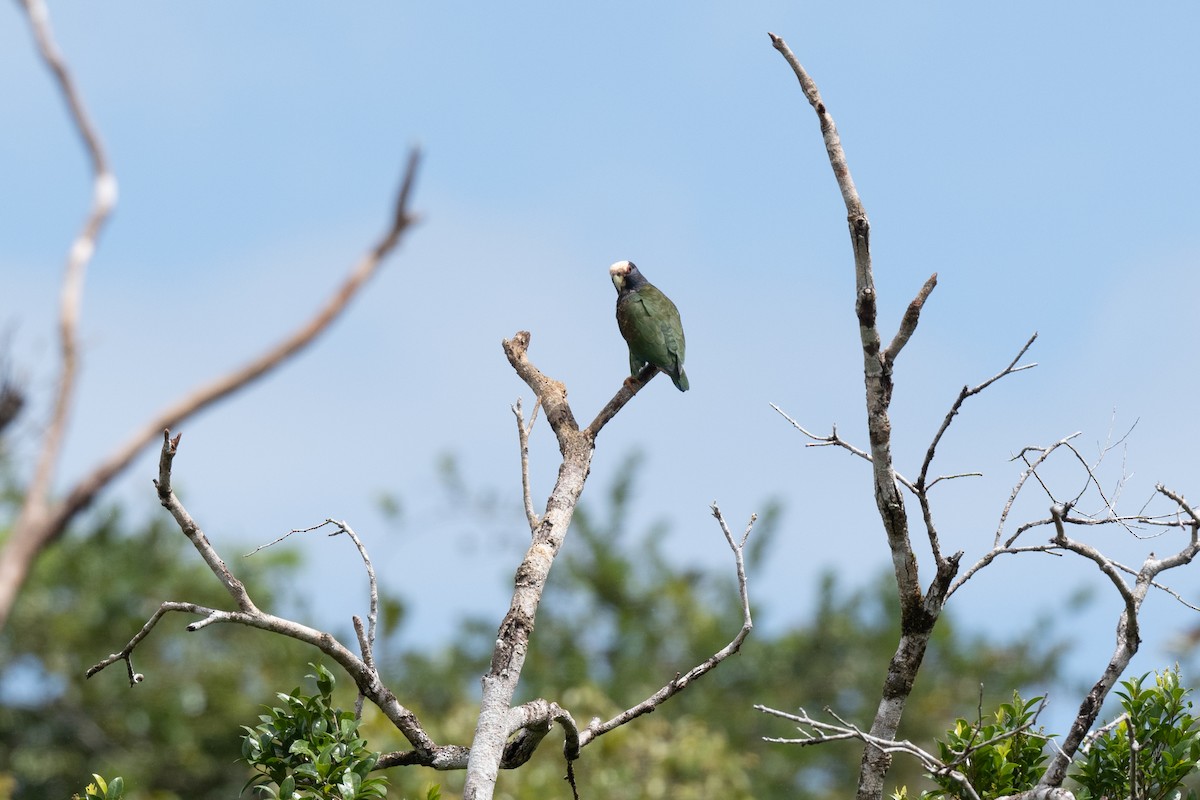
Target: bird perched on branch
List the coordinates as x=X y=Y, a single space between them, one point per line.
x=649 y=321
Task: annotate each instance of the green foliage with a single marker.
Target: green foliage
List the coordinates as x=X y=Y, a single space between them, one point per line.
x=1150 y=751
x=99 y=789
x=1000 y=757
x=1147 y=754
x=622 y=615
x=309 y=750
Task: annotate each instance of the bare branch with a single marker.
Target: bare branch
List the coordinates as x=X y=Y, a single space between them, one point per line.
x=1128 y=626
x=523 y=439
x=815 y=732
x=512 y=639
x=955 y=476
x=993 y=554
x=533 y=721
x=223 y=386
x=167 y=497
x=361 y=670
x=20 y=550
x=40 y=523
x=1102 y=561
x=367 y=638
x=1178 y=498
x=1095 y=734
x=918 y=613
x=1030 y=471
x=962 y=396
x=551 y=394
x=367 y=644
x=908 y=324
x=1067 y=518
x=834 y=439
x=365 y=634
x=628 y=389
x=923 y=484
x=681 y=682
x=1041 y=793
x=833 y=142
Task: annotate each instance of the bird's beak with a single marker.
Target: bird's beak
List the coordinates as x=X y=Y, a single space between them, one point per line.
x=618 y=272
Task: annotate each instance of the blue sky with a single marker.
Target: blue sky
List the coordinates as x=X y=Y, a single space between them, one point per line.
x=1039 y=157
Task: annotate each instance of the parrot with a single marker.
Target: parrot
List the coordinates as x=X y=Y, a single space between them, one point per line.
x=649 y=321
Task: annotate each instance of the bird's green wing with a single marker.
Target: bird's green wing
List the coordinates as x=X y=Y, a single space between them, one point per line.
x=657 y=330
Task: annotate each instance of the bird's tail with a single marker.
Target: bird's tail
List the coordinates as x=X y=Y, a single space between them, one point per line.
x=681 y=383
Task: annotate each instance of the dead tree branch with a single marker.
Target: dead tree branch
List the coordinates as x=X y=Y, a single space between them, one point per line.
x=23 y=543
x=681 y=682
x=1128 y=628
x=918 y=611
x=42 y=521
x=813 y=731
x=512 y=640
x=365 y=633
x=491 y=749
x=923 y=484
x=364 y=674
x=523 y=432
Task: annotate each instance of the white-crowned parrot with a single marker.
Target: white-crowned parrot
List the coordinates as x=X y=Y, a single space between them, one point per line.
x=649 y=321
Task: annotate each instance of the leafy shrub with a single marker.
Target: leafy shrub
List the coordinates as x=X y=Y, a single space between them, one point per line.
x=1152 y=747
x=308 y=750
x=1002 y=757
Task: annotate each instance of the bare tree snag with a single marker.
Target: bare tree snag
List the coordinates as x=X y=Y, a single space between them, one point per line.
x=920 y=610
x=491 y=749
x=918 y=613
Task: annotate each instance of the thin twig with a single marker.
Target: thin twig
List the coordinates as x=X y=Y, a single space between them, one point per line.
x=366 y=636
x=962 y=396
x=681 y=682
x=1030 y=471
x=923 y=484
x=523 y=441
x=835 y=440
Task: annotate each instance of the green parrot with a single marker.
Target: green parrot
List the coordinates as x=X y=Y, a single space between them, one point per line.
x=649 y=321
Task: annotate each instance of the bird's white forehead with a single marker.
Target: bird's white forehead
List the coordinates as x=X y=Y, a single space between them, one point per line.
x=619 y=268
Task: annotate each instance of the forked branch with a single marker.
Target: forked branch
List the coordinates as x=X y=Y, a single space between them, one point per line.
x=491 y=748
x=918 y=612
x=1128 y=626
x=364 y=674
